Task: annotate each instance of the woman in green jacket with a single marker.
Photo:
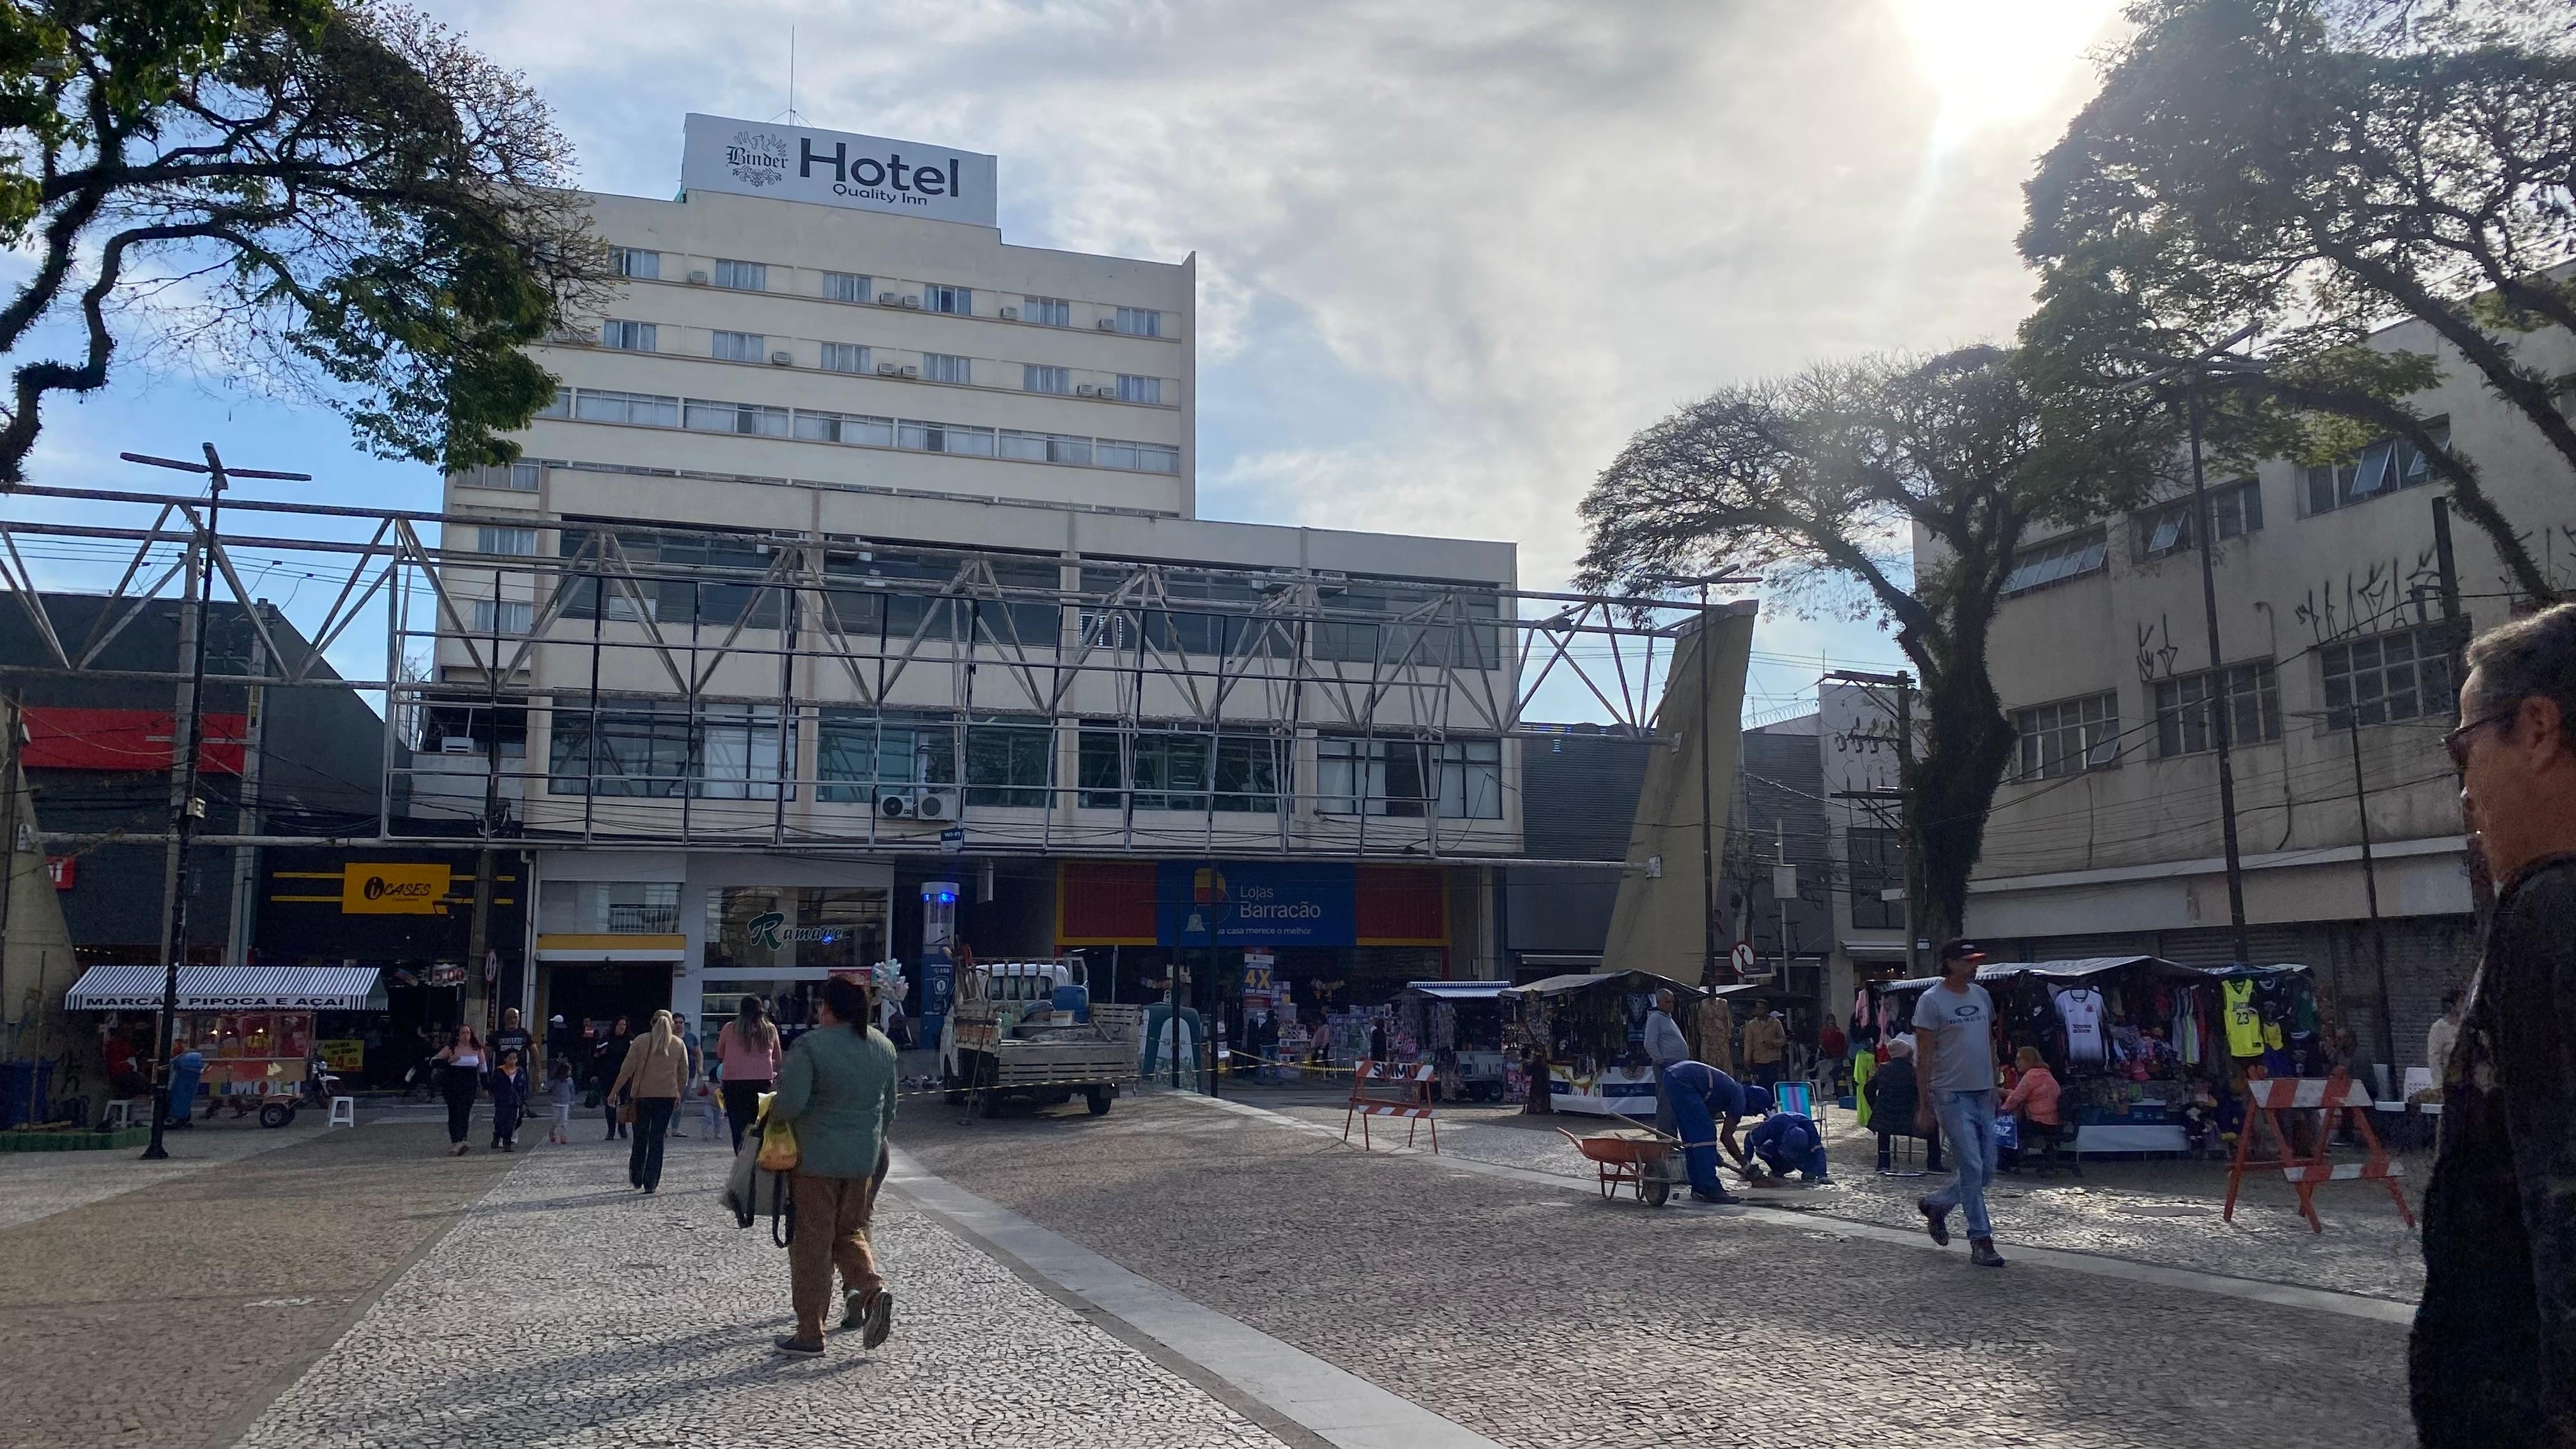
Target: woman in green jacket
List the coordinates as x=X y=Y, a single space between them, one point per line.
x=837 y=1089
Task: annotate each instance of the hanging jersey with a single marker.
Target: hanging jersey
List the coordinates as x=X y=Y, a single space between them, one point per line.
x=2080 y=1008
x=2244 y=1023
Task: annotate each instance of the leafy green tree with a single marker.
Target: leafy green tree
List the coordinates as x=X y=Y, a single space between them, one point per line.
x=2318 y=169
x=332 y=197
x=1823 y=480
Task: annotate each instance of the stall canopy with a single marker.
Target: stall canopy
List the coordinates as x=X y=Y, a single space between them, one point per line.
x=1623 y=980
x=2074 y=970
x=1460 y=990
x=231 y=988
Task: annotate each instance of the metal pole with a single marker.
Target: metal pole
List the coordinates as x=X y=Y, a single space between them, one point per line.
x=2217 y=693
x=2370 y=892
x=1707 y=807
x=242 y=918
x=2455 y=642
x=185 y=806
x=1908 y=857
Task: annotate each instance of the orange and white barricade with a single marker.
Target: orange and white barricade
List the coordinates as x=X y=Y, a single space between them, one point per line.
x=1384 y=1089
x=2325 y=1096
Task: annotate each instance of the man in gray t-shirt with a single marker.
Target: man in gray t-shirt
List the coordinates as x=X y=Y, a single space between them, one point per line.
x=1954 y=1026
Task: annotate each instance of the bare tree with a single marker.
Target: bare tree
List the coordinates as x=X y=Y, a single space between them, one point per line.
x=1821 y=481
x=340 y=196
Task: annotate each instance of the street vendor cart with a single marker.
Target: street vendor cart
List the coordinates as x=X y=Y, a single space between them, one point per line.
x=1589 y=1028
x=1459 y=1025
x=251 y=1025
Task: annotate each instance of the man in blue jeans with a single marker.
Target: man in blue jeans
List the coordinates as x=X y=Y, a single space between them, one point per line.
x=1954 y=1026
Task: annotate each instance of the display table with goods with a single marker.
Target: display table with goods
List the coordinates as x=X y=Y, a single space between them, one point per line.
x=1460 y=1027
x=1590 y=1031
x=2142 y=1048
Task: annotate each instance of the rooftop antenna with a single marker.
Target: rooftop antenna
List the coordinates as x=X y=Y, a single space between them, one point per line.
x=791 y=115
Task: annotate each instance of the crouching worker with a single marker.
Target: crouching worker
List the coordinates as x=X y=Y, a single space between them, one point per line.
x=1703 y=1098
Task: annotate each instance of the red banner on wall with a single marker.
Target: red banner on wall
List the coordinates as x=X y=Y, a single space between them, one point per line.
x=62 y=738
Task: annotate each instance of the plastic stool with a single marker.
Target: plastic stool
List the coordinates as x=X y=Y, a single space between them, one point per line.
x=120 y=1113
x=344 y=1113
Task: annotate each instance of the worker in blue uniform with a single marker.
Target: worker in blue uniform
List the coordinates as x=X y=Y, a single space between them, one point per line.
x=1703 y=1098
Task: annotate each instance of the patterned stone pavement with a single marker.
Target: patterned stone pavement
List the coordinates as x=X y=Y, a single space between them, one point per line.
x=1541 y=1319
x=2151 y=1212
x=566 y=1310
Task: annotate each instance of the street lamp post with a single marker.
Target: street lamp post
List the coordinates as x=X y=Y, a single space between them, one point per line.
x=185 y=808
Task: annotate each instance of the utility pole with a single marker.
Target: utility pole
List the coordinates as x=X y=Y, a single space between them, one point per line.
x=246 y=816
x=2202 y=522
x=1901 y=797
x=2455 y=649
x=185 y=807
x=2370 y=891
x=478 y=931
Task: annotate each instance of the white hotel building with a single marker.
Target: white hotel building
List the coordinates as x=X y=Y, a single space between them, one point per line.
x=889 y=449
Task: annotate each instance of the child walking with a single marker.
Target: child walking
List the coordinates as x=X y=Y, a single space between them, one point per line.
x=565 y=1091
x=509 y=1086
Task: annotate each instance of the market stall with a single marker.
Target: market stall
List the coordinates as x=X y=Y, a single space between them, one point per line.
x=253 y=1025
x=2133 y=1040
x=1589 y=1029
x=1459 y=1028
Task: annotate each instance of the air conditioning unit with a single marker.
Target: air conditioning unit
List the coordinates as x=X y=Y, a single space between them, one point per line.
x=1107 y=324
x=912 y=301
x=782 y=359
x=895 y=807
x=1010 y=314
x=887 y=299
x=912 y=372
x=456 y=745
x=697 y=279
x=935 y=805
x=1084 y=389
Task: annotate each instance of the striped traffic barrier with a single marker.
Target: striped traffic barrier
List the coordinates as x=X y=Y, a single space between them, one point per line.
x=2325 y=1096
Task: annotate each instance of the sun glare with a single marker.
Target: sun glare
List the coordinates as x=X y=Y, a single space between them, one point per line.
x=1998 y=60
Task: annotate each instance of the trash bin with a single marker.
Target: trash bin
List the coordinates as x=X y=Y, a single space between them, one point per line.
x=185 y=1070
x=23 y=1092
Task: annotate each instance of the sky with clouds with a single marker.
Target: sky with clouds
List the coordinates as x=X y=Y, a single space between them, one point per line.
x=1452 y=255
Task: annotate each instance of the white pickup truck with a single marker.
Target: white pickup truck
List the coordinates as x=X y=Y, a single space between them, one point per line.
x=1007 y=1037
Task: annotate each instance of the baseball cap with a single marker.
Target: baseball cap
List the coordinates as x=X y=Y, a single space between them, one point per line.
x=1962 y=951
x=1757 y=1100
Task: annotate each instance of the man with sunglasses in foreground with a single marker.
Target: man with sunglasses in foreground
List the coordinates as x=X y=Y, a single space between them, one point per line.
x=2493 y=1361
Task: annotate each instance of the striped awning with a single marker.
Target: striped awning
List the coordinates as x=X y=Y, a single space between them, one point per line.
x=231 y=988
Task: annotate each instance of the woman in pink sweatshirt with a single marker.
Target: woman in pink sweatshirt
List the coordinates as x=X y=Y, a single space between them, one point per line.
x=2033 y=1099
x=748 y=1048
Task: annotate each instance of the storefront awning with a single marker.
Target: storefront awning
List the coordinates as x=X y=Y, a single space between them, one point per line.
x=2073 y=970
x=231 y=988
x=1617 y=980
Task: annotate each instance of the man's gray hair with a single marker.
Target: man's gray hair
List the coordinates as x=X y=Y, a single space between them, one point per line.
x=2534 y=656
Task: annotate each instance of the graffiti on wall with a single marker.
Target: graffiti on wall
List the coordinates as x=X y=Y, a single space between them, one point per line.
x=2386 y=594
x=2157 y=650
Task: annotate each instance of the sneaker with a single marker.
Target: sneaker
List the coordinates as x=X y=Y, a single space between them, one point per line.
x=880 y=1319
x=1721 y=1197
x=854 y=1311
x=800 y=1347
x=1935 y=1222
x=1981 y=1251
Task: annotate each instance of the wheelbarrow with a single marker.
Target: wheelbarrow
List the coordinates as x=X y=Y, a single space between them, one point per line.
x=1630 y=1157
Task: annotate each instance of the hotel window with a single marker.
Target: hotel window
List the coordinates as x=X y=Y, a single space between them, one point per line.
x=1140 y=322
x=504 y=617
x=845 y=428
x=844 y=357
x=749 y=418
x=1047 y=311
x=655 y=750
x=742 y=276
x=2382 y=468
x=2235 y=510
x=641 y=409
x=521 y=541
x=2068 y=737
x=956 y=301
x=861 y=754
x=629 y=336
x=635 y=262
x=2383 y=678
x=944 y=438
x=741 y=347
x=946 y=367
x=519 y=477
x=1034 y=378
x=561 y=407
x=1045 y=447
x=2063 y=558
x=2183 y=709
x=1139 y=389
x=1143 y=457
x=844 y=287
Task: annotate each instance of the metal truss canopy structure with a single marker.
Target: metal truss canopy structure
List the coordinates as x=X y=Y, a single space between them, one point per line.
x=663 y=684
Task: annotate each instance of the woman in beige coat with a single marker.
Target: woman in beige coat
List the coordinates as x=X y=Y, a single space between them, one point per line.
x=655 y=1074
